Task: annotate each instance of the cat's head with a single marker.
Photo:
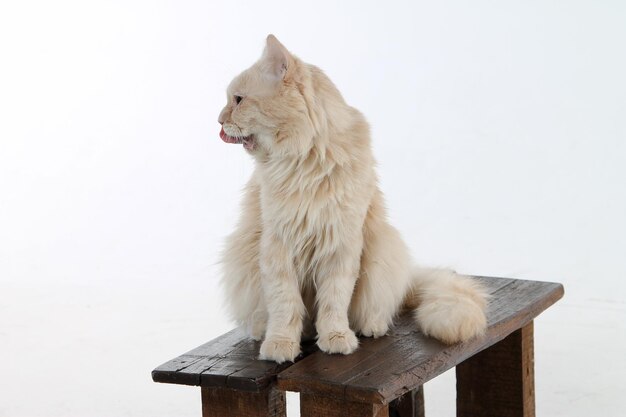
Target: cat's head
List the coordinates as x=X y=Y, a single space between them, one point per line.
x=273 y=106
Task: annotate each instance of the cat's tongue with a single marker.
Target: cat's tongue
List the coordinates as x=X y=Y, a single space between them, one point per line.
x=228 y=139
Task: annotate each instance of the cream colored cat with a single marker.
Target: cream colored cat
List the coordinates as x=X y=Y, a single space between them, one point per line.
x=313 y=244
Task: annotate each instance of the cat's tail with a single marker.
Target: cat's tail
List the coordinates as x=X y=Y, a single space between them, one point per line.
x=447 y=306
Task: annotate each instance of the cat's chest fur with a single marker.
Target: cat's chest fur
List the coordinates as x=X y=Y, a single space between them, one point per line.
x=312 y=208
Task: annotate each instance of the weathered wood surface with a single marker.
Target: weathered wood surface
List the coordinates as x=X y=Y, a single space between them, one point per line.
x=228 y=361
x=499 y=381
x=224 y=402
x=384 y=369
x=312 y=405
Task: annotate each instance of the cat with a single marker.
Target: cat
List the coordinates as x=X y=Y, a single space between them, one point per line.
x=313 y=254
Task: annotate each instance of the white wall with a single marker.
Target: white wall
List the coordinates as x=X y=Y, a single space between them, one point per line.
x=499 y=129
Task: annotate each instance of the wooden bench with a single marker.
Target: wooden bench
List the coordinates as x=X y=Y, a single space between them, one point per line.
x=495 y=373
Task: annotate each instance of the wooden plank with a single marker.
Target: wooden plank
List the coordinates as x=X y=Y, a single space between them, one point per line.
x=499 y=381
x=410 y=359
x=410 y=404
x=312 y=405
x=255 y=375
x=511 y=307
x=188 y=373
x=327 y=373
x=324 y=369
x=242 y=370
x=393 y=374
x=229 y=360
x=258 y=374
x=186 y=369
x=222 y=402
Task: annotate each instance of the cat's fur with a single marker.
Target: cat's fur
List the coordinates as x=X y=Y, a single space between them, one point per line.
x=313 y=245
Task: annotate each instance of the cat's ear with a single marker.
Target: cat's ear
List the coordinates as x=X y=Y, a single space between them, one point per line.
x=276 y=57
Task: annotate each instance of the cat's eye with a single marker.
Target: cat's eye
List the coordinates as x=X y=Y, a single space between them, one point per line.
x=238 y=99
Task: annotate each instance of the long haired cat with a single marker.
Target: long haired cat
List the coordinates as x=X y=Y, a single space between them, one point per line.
x=313 y=254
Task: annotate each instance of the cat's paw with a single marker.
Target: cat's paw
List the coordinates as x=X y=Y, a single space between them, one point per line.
x=279 y=349
x=374 y=329
x=344 y=342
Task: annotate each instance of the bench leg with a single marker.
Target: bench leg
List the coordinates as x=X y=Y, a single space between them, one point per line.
x=312 y=405
x=222 y=402
x=499 y=381
x=410 y=404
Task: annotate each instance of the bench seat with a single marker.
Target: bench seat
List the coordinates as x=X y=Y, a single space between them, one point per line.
x=494 y=372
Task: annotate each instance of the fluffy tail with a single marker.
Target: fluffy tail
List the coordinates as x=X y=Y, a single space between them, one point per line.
x=448 y=306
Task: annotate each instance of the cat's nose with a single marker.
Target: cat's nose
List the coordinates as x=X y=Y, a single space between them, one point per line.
x=222 y=117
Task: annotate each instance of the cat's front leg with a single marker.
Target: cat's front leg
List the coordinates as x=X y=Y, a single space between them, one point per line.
x=257 y=323
x=285 y=307
x=334 y=292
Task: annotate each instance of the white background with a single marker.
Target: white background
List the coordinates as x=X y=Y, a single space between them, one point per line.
x=499 y=128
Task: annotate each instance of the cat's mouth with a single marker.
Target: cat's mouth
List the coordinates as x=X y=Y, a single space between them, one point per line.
x=247 y=141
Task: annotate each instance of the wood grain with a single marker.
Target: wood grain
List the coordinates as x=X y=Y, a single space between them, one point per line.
x=227 y=361
x=386 y=368
x=312 y=405
x=226 y=402
x=499 y=381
